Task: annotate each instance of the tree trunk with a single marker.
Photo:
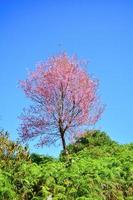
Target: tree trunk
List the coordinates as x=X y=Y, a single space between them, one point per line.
x=64 y=144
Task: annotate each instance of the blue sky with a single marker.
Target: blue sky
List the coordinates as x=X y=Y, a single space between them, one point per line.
x=100 y=31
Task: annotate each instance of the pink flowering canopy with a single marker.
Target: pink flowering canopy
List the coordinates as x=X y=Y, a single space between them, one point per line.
x=64 y=98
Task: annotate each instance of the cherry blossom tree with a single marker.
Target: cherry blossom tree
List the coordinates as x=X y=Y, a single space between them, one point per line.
x=64 y=98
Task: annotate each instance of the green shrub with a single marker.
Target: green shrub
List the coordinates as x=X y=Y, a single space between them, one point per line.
x=96 y=168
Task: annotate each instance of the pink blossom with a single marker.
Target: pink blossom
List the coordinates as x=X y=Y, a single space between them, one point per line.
x=64 y=97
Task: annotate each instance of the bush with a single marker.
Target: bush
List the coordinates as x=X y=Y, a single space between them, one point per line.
x=96 y=168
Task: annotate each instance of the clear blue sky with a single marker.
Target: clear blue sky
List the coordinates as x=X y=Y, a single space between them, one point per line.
x=100 y=31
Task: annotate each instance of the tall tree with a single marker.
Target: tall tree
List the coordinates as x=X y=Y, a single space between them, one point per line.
x=64 y=98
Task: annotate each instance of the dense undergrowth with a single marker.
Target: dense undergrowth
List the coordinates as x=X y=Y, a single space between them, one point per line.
x=96 y=168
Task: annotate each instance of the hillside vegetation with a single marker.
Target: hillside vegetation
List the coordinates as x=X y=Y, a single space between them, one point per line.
x=96 y=168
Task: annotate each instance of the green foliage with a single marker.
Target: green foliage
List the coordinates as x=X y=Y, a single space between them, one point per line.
x=96 y=168
x=6 y=189
x=40 y=159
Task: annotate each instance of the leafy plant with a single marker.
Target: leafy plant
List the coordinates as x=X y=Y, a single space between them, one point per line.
x=100 y=171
